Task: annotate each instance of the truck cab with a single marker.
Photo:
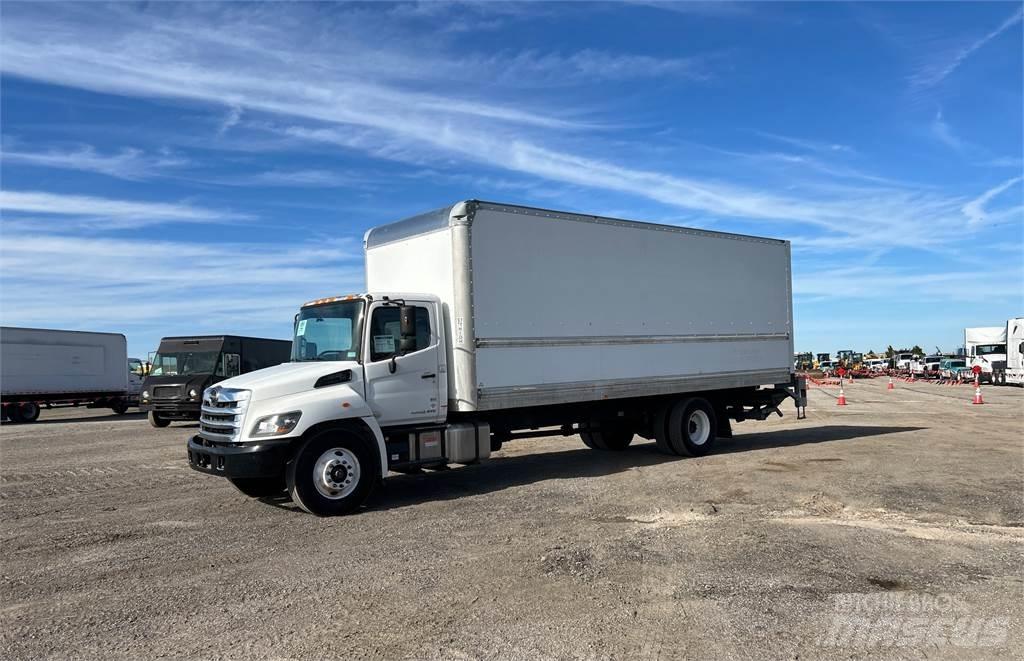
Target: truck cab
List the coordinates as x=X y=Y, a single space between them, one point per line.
x=184 y=367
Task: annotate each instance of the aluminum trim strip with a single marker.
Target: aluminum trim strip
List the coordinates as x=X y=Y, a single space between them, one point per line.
x=561 y=393
x=517 y=342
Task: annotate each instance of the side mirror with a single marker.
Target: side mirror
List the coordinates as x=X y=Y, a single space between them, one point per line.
x=407 y=329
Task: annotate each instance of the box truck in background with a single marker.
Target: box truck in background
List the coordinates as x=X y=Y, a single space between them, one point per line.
x=985 y=347
x=51 y=368
x=1012 y=373
x=486 y=323
x=185 y=366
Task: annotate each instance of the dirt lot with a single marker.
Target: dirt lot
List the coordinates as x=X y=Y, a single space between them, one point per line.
x=890 y=527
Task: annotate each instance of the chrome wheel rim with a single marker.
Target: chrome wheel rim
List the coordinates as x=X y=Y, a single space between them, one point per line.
x=336 y=473
x=698 y=427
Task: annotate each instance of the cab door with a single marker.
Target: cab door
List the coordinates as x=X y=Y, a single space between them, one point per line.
x=403 y=379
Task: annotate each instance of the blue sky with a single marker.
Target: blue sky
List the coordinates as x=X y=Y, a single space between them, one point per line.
x=174 y=168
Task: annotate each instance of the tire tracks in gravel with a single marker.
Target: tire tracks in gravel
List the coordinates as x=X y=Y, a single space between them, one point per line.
x=80 y=481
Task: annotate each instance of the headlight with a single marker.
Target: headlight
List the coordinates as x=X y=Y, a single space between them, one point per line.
x=145 y=394
x=275 y=425
x=192 y=393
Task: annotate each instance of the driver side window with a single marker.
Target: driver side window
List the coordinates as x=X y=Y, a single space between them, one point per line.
x=386 y=335
x=232 y=364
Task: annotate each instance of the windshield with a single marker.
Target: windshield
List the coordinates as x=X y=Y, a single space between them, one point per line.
x=185 y=363
x=328 y=332
x=986 y=349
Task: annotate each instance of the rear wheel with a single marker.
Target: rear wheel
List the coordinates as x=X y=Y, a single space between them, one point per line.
x=120 y=407
x=606 y=435
x=157 y=420
x=260 y=487
x=333 y=473
x=661 y=428
x=27 y=412
x=692 y=427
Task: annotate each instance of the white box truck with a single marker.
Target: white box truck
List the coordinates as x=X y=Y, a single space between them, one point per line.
x=1012 y=373
x=488 y=322
x=50 y=368
x=985 y=348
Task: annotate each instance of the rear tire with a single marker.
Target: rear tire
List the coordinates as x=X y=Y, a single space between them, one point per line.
x=120 y=407
x=661 y=437
x=157 y=420
x=27 y=412
x=333 y=473
x=260 y=487
x=606 y=435
x=692 y=427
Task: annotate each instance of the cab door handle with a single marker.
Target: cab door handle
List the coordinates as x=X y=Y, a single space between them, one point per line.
x=428 y=376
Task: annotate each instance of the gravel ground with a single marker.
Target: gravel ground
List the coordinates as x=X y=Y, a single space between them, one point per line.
x=891 y=527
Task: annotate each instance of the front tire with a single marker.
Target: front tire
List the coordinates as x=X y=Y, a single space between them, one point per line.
x=692 y=427
x=333 y=473
x=260 y=487
x=157 y=420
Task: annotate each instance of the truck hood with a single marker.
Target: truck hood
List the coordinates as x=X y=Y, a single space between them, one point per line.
x=287 y=378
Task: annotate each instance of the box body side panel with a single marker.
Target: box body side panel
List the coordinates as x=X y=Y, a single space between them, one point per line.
x=591 y=308
x=42 y=361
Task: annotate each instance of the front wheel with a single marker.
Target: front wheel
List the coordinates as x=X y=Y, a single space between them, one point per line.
x=157 y=420
x=333 y=473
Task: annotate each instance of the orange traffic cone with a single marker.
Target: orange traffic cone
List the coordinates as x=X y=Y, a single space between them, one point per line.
x=977 y=395
x=842 y=397
x=890 y=386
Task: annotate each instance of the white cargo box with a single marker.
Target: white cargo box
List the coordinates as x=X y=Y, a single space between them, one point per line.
x=546 y=307
x=36 y=361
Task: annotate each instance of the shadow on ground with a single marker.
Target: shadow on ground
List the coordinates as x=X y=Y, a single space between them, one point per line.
x=500 y=473
x=111 y=417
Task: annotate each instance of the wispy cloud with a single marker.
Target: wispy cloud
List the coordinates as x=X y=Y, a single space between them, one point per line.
x=808 y=145
x=105 y=213
x=314 y=92
x=976 y=211
x=299 y=84
x=942 y=131
x=129 y=163
x=232 y=118
x=305 y=178
x=884 y=283
x=146 y=277
x=1003 y=162
x=589 y=65
x=938 y=70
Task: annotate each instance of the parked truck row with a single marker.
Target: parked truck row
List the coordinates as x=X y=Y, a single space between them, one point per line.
x=43 y=368
x=46 y=368
x=488 y=322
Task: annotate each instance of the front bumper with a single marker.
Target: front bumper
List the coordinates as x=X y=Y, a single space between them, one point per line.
x=172 y=410
x=265 y=459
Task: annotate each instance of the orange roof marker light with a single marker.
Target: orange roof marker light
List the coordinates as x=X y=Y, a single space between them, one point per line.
x=332 y=299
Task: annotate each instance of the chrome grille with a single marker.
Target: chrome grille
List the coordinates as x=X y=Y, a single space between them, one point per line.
x=223 y=414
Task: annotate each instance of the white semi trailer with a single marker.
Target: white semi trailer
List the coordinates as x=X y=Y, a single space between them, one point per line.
x=50 y=368
x=488 y=322
x=1012 y=373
